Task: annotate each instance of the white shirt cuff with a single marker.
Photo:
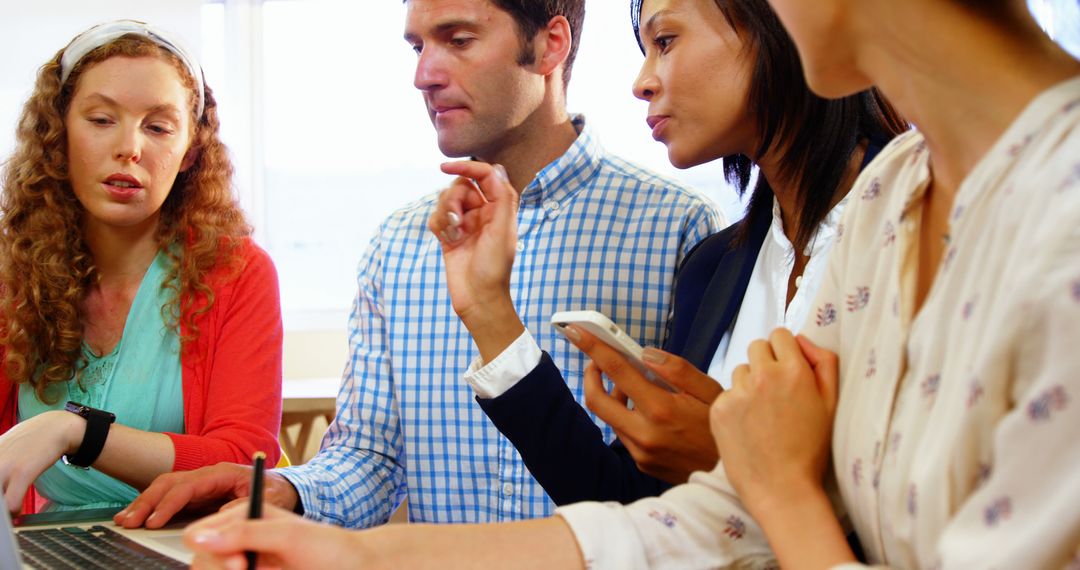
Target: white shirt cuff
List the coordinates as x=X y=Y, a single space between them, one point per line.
x=606 y=537
x=509 y=367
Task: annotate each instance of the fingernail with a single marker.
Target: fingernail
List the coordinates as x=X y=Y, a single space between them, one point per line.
x=654 y=356
x=151 y=517
x=455 y=220
x=572 y=333
x=207 y=536
x=501 y=171
x=453 y=233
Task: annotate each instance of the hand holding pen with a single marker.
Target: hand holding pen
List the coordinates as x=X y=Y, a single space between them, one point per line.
x=281 y=538
x=255 y=500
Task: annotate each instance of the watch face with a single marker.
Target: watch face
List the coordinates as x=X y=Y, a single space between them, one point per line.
x=86 y=411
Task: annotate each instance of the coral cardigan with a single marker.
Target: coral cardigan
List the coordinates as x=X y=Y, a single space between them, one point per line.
x=231 y=373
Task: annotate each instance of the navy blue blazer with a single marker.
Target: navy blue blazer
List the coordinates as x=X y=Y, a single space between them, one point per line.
x=558 y=441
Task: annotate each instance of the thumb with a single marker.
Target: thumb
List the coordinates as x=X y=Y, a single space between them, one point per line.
x=15 y=493
x=682 y=375
x=826 y=370
x=230 y=530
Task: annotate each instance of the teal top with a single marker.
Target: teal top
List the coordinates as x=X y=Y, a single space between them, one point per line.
x=140 y=381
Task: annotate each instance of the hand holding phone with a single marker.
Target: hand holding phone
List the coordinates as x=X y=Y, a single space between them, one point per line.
x=598 y=325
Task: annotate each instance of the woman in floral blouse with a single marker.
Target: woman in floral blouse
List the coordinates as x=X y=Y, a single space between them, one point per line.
x=932 y=403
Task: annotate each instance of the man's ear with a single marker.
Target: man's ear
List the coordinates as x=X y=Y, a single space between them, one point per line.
x=553 y=46
x=190 y=157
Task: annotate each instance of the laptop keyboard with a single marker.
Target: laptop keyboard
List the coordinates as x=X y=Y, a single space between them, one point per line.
x=94 y=547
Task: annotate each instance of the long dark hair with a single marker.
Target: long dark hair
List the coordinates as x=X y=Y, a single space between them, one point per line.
x=817 y=136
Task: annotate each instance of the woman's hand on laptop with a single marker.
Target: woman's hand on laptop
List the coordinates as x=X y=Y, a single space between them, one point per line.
x=31 y=447
x=280 y=538
x=201 y=489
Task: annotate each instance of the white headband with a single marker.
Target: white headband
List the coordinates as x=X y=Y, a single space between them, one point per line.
x=102 y=34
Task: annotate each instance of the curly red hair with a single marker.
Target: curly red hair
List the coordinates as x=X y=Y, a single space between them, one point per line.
x=45 y=265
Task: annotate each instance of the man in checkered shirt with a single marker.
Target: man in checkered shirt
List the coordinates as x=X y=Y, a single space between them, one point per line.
x=593 y=232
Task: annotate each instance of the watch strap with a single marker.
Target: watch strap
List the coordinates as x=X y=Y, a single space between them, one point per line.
x=97 y=431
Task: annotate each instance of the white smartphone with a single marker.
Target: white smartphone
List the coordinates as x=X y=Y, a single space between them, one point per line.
x=598 y=325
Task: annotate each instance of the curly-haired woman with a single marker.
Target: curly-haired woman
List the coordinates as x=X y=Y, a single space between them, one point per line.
x=140 y=329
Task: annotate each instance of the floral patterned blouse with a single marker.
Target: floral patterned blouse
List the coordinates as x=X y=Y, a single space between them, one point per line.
x=957 y=438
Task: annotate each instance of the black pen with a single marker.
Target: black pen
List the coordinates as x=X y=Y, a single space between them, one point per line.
x=255 y=500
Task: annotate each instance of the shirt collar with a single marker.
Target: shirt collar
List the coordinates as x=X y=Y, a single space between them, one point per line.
x=1051 y=105
x=822 y=237
x=566 y=174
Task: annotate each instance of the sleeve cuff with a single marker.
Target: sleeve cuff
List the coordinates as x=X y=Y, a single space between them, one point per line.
x=305 y=489
x=605 y=538
x=493 y=379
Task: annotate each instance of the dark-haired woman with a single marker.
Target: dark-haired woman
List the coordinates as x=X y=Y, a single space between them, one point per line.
x=941 y=399
x=723 y=81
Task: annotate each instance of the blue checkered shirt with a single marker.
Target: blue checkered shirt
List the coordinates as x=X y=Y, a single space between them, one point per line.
x=595 y=232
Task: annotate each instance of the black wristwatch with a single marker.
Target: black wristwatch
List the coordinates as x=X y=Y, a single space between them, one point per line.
x=97 y=430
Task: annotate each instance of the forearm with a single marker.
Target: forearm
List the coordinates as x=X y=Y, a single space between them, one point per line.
x=346 y=486
x=134 y=456
x=559 y=443
x=802 y=528
x=541 y=544
x=493 y=326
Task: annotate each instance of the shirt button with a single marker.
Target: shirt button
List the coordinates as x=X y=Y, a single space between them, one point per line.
x=520 y=246
x=551 y=205
x=508 y=489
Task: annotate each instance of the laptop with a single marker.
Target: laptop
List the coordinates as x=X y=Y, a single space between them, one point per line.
x=66 y=541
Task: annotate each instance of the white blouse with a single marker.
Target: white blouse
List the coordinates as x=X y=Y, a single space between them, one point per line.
x=957 y=435
x=765 y=306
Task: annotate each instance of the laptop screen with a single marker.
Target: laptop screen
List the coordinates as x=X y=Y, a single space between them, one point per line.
x=9 y=554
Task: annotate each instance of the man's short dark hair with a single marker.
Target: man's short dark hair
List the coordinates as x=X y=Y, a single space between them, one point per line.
x=533 y=15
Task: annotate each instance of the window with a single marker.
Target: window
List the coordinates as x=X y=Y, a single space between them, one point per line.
x=336 y=135
x=1060 y=19
x=328 y=134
